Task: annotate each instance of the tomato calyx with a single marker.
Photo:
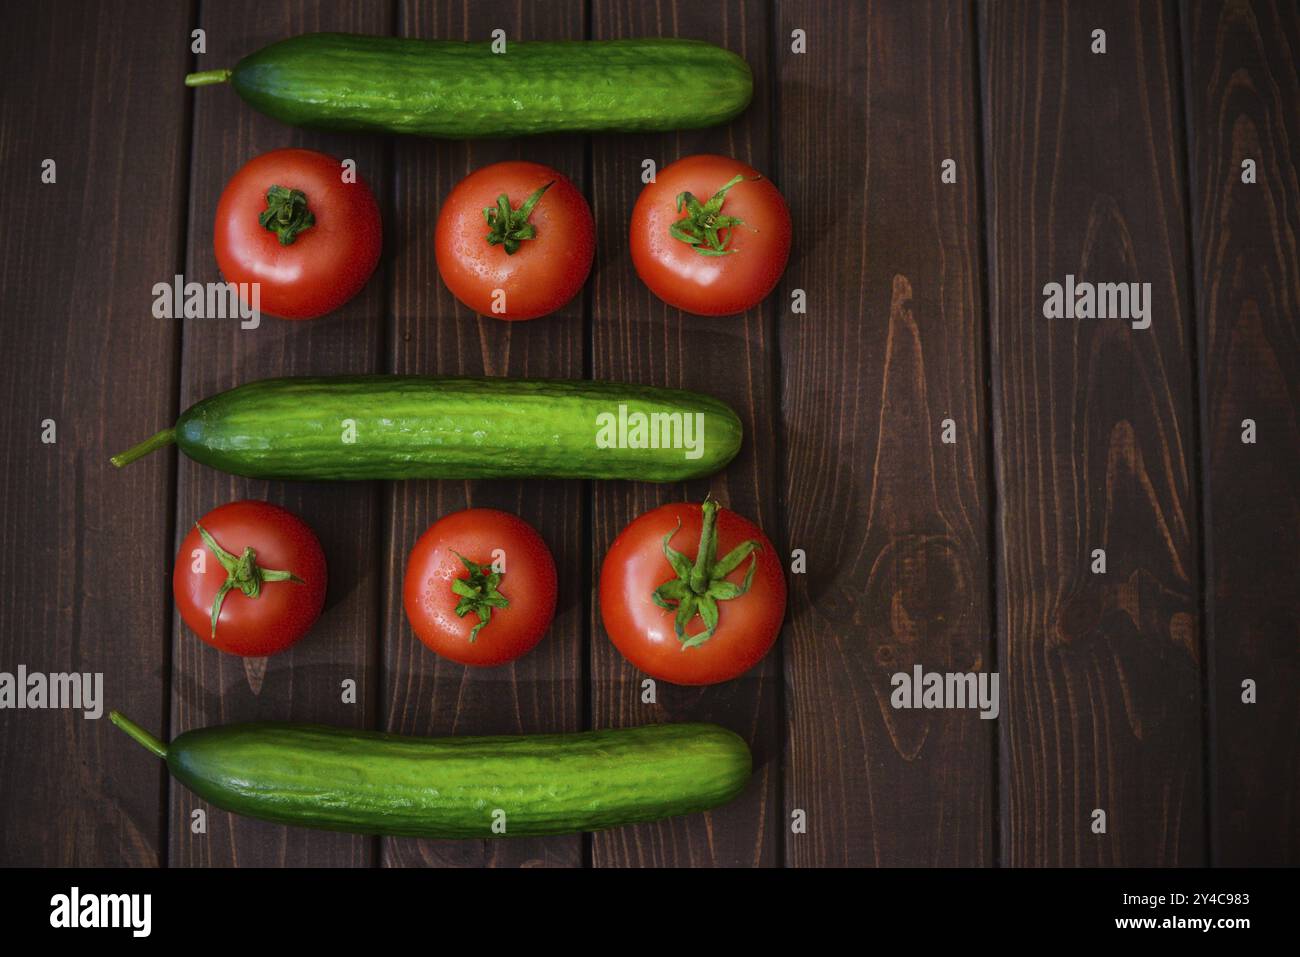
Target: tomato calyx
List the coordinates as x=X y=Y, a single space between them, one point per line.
x=478 y=593
x=705 y=227
x=509 y=227
x=286 y=214
x=242 y=572
x=699 y=587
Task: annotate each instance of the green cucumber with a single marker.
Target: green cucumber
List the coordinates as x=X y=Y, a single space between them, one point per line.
x=459 y=90
x=400 y=427
x=366 y=782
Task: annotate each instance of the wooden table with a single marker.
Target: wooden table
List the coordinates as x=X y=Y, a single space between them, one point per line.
x=1120 y=691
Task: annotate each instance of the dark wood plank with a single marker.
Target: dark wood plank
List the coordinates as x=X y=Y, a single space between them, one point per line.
x=432 y=333
x=305 y=682
x=636 y=338
x=1244 y=103
x=84 y=549
x=894 y=523
x=1094 y=439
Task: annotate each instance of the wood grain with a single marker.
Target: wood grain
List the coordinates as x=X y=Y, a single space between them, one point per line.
x=430 y=332
x=1094 y=435
x=305 y=682
x=918 y=552
x=1244 y=103
x=893 y=521
x=83 y=547
x=636 y=338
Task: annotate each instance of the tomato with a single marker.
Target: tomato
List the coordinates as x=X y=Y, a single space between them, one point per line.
x=686 y=625
x=262 y=566
x=480 y=587
x=710 y=235
x=515 y=240
x=322 y=240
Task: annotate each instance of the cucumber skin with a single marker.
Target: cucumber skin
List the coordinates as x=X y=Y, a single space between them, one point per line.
x=442 y=427
x=460 y=90
x=373 y=783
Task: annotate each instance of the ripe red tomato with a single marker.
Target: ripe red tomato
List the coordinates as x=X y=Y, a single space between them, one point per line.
x=710 y=235
x=266 y=566
x=322 y=240
x=480 y=587
x=658 y=607
x=511 y=246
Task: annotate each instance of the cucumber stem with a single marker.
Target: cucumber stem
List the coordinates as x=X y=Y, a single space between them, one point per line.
x=207 y=78
x=139 y=734
x=151 y=444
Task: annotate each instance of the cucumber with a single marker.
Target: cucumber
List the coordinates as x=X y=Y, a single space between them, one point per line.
x=366 y=782
x=400 y=427
x=461 y=90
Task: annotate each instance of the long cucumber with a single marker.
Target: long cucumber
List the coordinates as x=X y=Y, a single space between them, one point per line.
x=458 y=90
x=367 y=782
x=399 y=427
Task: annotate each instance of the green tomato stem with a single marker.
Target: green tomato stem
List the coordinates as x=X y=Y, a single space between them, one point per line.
x=242 y=572
x=701 y=585
x=510 y=227
x=286 y=214
x=478 y=593
x=704 y=227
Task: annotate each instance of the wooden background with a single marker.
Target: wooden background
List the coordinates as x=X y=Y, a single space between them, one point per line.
x=1120 y=691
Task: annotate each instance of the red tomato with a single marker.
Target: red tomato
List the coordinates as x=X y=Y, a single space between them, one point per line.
x=643 y=596
x=276 y=573
x=506 y=581
x=323 y=264
x=740 y=233
x=505 y=251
